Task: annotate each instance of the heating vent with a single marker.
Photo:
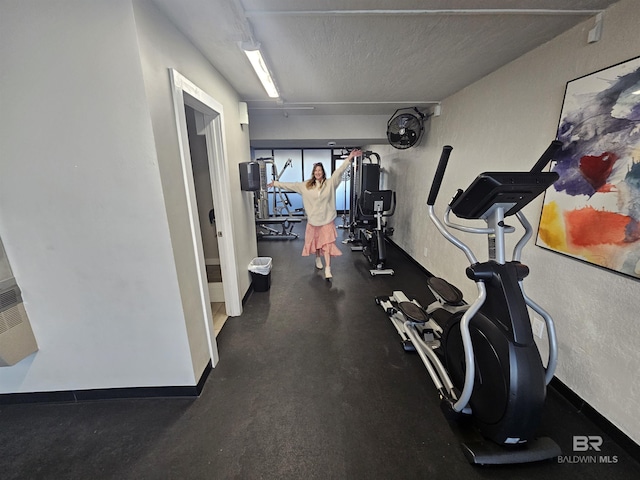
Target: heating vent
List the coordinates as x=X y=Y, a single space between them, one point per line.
x=8 y=299
x=11 y=318
x=16 y=337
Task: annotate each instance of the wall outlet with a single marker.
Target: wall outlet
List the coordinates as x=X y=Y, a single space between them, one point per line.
x=426 y=250
x=538 y=327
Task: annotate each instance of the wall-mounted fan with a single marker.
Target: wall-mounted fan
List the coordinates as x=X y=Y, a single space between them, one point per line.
x=405 y=128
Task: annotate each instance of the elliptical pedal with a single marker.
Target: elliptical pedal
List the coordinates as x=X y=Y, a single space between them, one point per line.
x=444 y=292
x=413 y=312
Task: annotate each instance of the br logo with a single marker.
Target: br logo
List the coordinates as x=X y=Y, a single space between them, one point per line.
x=583 y=443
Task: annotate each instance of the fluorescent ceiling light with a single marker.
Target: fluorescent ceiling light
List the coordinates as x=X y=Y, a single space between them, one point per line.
x=283 y=107
x=260 y=67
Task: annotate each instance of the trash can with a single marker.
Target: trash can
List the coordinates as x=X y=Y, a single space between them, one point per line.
x=260 y=268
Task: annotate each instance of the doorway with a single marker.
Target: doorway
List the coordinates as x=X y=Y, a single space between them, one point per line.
x=207 y=218
x=208 y=122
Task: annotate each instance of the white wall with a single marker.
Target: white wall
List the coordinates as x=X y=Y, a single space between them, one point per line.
x=162 y=47
x=81 y=203
x=505 y=121
x=271 y=131
x=92 y=199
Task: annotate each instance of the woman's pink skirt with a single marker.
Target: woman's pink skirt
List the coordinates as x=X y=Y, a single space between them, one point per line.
x=321 y=238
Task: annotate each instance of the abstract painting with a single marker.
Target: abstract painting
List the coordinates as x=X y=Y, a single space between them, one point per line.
x=592 y=213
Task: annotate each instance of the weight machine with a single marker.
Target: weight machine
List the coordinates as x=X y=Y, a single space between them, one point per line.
x=369 y=207
x=255 y=176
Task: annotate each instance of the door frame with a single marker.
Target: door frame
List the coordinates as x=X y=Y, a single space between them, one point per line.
x=209 y=121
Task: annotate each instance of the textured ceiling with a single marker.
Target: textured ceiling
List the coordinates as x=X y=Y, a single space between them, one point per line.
x=368 y=56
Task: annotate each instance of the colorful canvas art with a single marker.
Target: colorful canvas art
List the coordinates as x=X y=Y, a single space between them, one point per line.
x=592 y=212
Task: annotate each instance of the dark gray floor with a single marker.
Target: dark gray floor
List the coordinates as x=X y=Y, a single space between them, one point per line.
x=312 y=384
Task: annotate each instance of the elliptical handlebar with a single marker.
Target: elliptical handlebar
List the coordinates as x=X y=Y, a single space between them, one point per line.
x=493 y=190
x=437 y=179
x=433 y=194
x=547 y=156
x=496 y=227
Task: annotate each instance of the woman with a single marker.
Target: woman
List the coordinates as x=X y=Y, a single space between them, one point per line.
x=319 y=200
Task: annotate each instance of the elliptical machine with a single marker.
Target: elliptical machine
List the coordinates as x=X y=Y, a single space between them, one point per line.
x=482 y=357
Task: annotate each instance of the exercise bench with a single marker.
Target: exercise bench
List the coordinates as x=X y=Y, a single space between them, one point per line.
x=286 y=224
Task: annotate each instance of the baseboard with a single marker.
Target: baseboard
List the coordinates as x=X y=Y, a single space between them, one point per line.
x=73 y=396
x=409 y=257
x=247 y=294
